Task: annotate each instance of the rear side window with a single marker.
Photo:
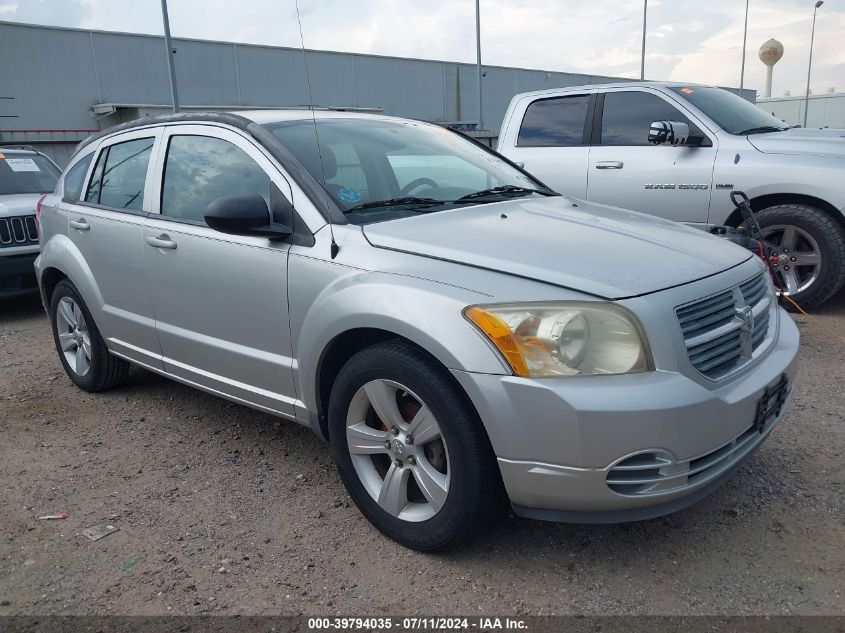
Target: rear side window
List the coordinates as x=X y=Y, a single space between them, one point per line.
x=627 y=117
x=557 y=122
x=93 y=192
x=74 y=179
x=126 y=174
x=26 y=173
x=200 y=169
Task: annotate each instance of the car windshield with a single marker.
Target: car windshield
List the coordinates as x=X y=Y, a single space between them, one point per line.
x=381 y=169
x=26 y=173
x=731 y=112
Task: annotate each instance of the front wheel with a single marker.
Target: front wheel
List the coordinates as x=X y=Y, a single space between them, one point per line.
x=809 y=251
x=410 y=448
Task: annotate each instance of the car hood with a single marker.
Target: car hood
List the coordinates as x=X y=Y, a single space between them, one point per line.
x=604 y=251
x=818 y=142
x=18 y=204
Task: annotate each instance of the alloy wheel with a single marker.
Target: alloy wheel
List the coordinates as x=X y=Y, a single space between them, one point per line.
x=397 y=450
x=796 y=257
x=74 y=338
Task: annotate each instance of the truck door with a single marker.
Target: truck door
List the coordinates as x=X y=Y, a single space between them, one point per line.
x=672 y=182
x=551 y=142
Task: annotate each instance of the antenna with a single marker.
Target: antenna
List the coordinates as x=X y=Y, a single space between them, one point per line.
x=335 y=249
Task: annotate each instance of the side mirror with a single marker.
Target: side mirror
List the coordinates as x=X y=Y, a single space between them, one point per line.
x=244 y=215
x=668 y=133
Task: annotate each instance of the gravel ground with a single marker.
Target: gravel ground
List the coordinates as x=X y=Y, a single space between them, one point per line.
x=225 y=510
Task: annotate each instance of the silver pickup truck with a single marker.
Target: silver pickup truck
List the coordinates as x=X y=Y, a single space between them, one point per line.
x=677 y=151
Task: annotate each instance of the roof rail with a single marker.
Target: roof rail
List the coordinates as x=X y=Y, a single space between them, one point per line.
x=28 y=148
x=227 y=118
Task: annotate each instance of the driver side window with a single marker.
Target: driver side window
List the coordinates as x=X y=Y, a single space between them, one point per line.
x=200 y=169
x=627 y=117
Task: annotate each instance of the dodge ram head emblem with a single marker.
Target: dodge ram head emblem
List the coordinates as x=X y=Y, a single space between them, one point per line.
x=746 y=330
x=747 y=316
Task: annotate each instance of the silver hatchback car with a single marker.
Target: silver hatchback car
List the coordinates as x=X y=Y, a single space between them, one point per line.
x=460 y=334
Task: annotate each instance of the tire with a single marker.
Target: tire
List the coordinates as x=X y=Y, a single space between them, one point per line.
x=811 y=286
x=102 y=370
x=464 y=466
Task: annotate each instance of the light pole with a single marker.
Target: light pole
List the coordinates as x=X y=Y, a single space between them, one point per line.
x=478 y=60
x=642 y=58
x=169 y=45
x=744 y=40
x=810 y=64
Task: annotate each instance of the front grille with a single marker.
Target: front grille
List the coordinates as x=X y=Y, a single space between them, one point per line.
x=18 y=231
x=723 y=332
x=655 y=472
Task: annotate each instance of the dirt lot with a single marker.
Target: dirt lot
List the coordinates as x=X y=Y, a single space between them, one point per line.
x=228 y=511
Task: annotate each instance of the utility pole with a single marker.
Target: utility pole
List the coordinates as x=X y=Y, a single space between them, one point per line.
x=642 y=58
x=478 y=61
x=810 y=64
x=744 y=40
x=172 y=68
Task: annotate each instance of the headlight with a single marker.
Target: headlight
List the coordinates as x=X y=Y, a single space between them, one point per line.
x=564 y=338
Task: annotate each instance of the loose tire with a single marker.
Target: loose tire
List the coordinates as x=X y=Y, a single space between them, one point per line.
x=411 y=449
x=82 y=351
x=810 y=247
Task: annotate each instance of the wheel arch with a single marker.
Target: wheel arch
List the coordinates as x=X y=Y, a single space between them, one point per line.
x=50 y=278
x=343 y=347
x=773 y=199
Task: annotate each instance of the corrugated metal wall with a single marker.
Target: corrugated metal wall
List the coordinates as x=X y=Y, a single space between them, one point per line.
x=54 y=75
x=827 y=110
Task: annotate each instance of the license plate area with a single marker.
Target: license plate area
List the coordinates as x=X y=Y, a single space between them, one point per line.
x=770 y=404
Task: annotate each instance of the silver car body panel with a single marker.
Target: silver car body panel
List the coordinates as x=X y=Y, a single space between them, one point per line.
x=550 y=236
x=250 y=319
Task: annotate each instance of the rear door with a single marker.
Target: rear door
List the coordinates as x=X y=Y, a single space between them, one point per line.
x=106 y=226
x=552 y=141
x=672 y=182
x=220 y=300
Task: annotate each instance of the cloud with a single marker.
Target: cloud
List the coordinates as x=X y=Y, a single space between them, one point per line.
x=687 y=41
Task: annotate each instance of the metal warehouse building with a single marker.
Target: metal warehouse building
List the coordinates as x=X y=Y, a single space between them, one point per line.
x=58 y=85
x=826 y=110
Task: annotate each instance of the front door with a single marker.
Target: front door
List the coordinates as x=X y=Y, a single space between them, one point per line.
x=220 y=300
x=671 y=182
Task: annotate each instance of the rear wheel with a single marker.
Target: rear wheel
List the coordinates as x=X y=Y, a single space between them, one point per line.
x=410 y=449
x=809 y=250
x=82 y=351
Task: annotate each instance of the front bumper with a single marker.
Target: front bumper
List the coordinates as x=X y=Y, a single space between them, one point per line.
x=17 y=275
x=557 y=440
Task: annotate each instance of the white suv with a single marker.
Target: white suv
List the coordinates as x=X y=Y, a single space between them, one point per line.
x=677 y=151
x=25 y=176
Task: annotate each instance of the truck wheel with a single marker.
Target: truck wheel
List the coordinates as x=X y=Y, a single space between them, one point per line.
x=411 y=449
x=82 y=351
x=810 y=247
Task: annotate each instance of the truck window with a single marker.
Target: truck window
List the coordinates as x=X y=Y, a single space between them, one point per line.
x=627 y=117
x=557 y=122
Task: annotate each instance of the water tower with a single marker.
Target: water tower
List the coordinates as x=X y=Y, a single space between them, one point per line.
x=770 y=54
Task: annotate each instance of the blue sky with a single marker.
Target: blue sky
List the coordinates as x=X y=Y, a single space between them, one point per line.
x=687 y=40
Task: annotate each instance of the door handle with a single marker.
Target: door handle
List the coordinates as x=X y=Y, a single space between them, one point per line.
x=80 y=225
x=162 y=241
x=610 y=164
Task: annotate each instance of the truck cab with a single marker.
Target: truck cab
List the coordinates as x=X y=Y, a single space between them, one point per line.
x=602 y=143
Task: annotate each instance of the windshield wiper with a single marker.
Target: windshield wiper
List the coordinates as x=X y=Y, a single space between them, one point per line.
x=397 y=202
x=761 y=129
x=503 y=189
